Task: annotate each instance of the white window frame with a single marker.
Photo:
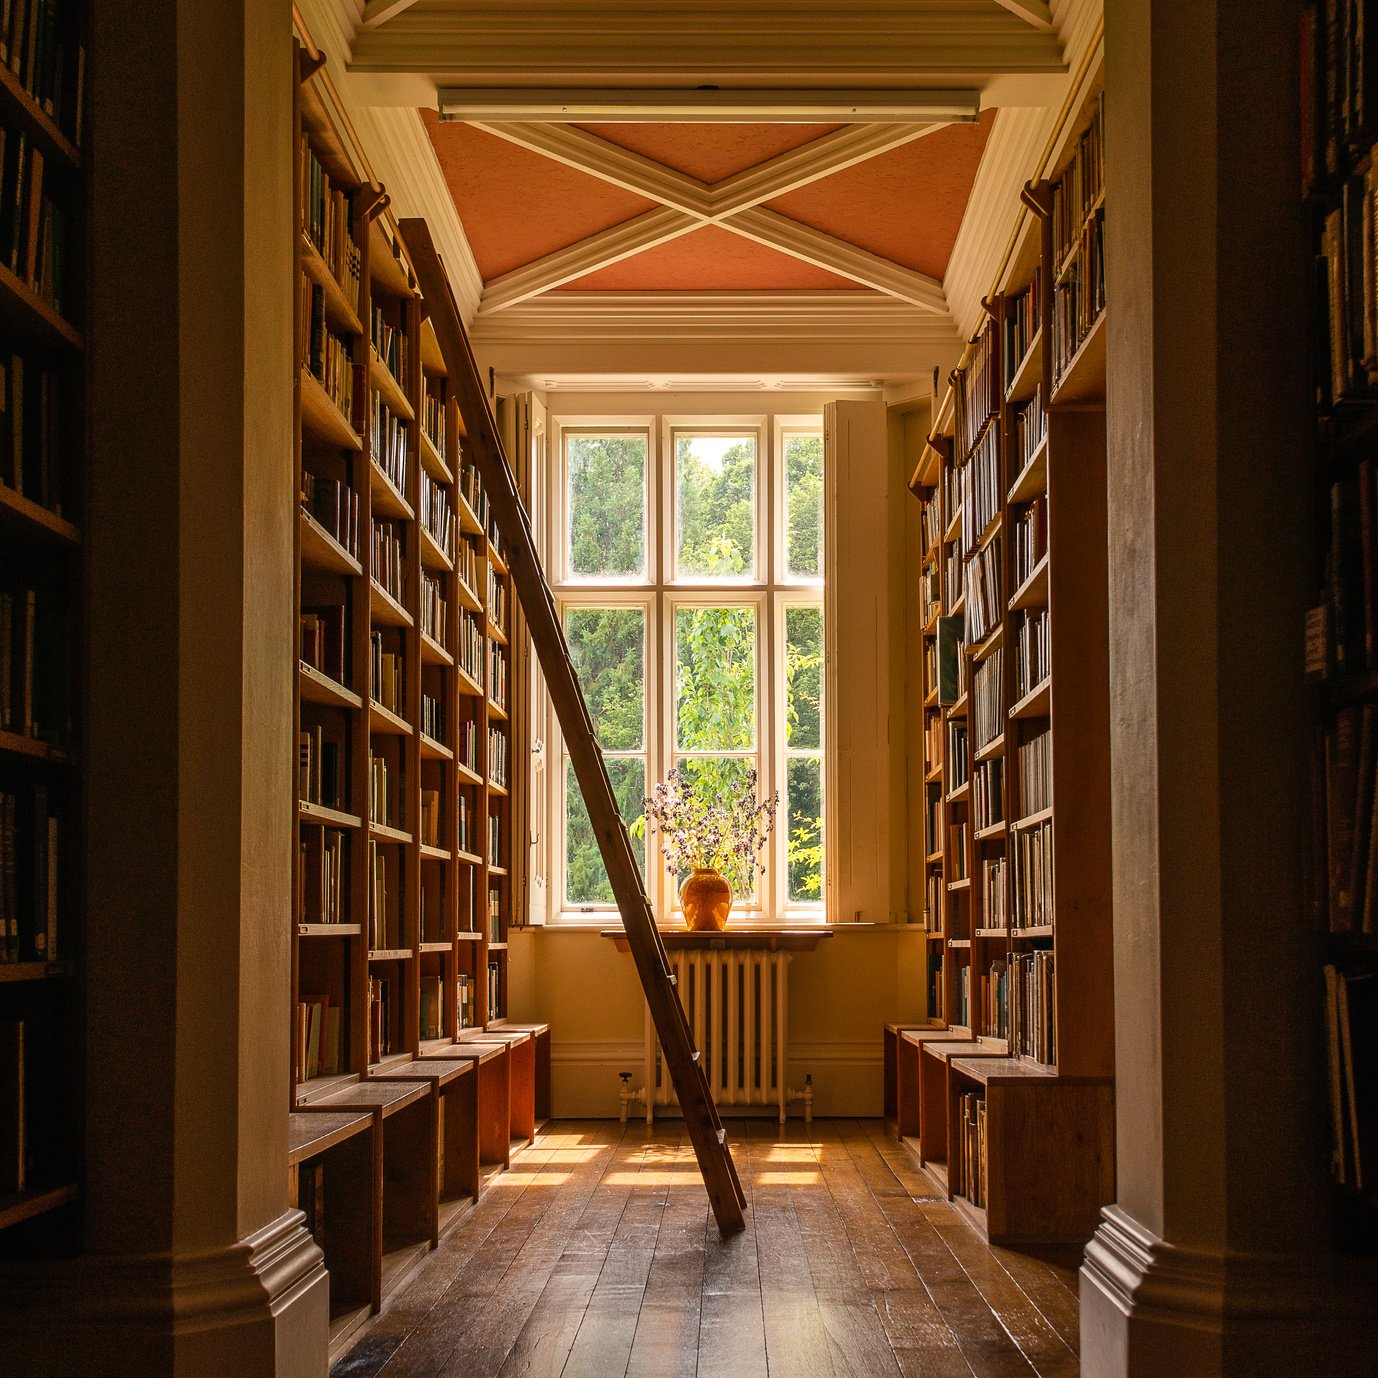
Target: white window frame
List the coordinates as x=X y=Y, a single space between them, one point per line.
x=768 y=589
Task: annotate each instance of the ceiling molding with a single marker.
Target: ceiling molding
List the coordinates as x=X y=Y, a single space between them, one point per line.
x=380 y=11
x=1033 y=12
x=837 y=256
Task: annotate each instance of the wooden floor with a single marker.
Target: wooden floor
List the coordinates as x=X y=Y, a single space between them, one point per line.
x=596 y=1255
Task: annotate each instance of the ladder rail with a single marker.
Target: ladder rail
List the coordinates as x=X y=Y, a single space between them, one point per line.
x=701 y=1117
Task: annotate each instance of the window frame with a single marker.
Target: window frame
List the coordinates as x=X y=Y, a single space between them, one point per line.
x=559 y=485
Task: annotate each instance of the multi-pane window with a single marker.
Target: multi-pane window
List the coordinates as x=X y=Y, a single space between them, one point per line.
x=688 y=571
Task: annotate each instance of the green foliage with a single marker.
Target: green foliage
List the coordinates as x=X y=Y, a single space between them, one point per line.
x=804 y=677
x=586 y=880
x=805 y=828
x=608 y=646
x=715 y=679
x=607 y=505
x=716 y=504
x=804 y=505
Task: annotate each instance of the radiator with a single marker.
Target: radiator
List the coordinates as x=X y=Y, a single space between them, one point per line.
x=737 y=1006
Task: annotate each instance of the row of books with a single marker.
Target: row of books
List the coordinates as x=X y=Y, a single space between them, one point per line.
x=34 y=226
x=1349 y=773
x=31 y=450
x=389 y=342
x=471 y=644
x=329 y=223
x=933 y=725
x=988 y=793
x=383 y=795
x=931 y=522
x=958 y=757
x=495 y=934
x=464 y=815
x=1030 y=426
x=495 y=841
x=432 y=717
x=323 y=875
x=1339 y=88
x=319 y=1021
x=322 y=630
x=930 y=590
x=387 y=443
x=1351 y=1029
x=388 y=560
x=471 y=487
x=1342 y=630
x=953 y=584
x=438 y=514
x=330 y=358
x=1032 y=652
x=40 y=42
x=435 y=611
x=497 y=674
x=466 y=748
x=464 y=999
x=950 y=485
x=32 y=853
x=933 y=901
x=971 y=1140
x=995 y=1000
x=1021 y=325
x=467 y=557
x=431 y=818
x=985 y=601
x=320 y=766
x=1032 y=1002
x=976 y=391
x=935 y=983
x=495 y=1007
x=433 y=414
x=981 y=493
x=497 y=756
x=334 y=506
x=994 y=895
x=1031 y=876
x=381 y=1018
x=1036 y=774
x=384 y=903
x=1078 y=190
x=963 y=1011
x=35 y=698
x=497 y=600
x=1030 y=539
x=431 y=1013
x=987 y=698
x=959 y=843
x=1079 y=296
x=387 y=675
x=933 y=816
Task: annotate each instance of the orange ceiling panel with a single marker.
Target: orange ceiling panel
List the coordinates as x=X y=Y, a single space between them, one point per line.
x=516 y=205
x=709 y=260
x=904 y=205
x=710 y=152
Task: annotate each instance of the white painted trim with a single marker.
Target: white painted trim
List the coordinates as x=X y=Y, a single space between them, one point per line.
x=592 y=1052
x=1034 y=12
x=380 y=11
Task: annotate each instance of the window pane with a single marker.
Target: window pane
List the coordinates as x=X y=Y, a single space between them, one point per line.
x=712 y=778
x=803 y=678
x=804 y=506
x=608 y=646
x=715 y=505
x=607 y=505
x=715 y=679
x=586 y=882
x=805 y=808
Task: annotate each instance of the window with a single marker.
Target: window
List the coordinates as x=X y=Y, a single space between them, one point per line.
x=688 y=570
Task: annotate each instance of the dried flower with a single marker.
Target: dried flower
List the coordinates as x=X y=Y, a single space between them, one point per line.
x=726 y=830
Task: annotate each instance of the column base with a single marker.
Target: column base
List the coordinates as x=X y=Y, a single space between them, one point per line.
x=259 y=1308
x=1150 y=1308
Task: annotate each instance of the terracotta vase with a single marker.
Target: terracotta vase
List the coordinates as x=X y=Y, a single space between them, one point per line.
x=706 y=899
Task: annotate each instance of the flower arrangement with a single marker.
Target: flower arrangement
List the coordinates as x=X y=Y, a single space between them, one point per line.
x=718 y=824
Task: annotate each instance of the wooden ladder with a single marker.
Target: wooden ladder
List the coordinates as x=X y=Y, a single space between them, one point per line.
x=657 y=980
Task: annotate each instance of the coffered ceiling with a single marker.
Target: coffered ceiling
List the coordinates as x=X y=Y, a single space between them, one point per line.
x=827 y=206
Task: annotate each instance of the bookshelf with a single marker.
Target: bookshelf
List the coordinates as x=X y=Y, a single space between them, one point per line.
x=1339 y=177
x=403 y=694
x=1014 y=632
x=43 y=189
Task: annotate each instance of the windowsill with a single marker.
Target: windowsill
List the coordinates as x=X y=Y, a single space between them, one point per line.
x=597 y=923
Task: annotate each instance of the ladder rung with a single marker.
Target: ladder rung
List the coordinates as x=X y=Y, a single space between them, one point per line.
x=722 y=1136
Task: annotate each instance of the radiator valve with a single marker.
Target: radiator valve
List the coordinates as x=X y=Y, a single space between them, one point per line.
x=627 y=1097
x=806 y=1095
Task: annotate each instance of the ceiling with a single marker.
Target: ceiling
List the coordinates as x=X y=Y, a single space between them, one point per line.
x=787 y=215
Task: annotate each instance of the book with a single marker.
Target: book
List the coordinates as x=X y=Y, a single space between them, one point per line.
x=14 y=1129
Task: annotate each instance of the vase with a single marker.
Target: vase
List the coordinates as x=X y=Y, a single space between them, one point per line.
x=706 y=898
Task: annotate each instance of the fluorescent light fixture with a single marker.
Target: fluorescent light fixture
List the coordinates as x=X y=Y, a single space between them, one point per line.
x=707 y=105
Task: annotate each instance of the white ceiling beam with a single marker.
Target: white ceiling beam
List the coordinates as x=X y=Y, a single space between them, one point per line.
x=380 y=11
x=587 y=256
x=1034 y=12
x=837 y=256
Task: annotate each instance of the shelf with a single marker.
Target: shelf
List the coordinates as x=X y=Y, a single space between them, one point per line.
x=28 y=1204
x=992 y=749
x=1033 y=592
x=431 y=460
x=385 y=721
x=467 y=773
x=1032 y=820
x=433 y=652
x=36 y=971
x=320 y=550
x=959 y=708
x=329 y=930
x=28 y=320
x=386 y=608
x=496 y=560
x=467 y=597
x=1034 y=704
x=1033 y=477
x=385 y=266
x=497 y=947
x=496 y=633
x=473 y=859
x=432 y=750
x=429 y=853
x=31 y=519
x=990 y=645
x=961 y=945
x=431 y=358
x=497 y=871
x=434 y=947
x=468 y=518
x=322 y=418
x=20 y=102
x=432 y=556
x=383 y=833
x=388 y=388
x=318 y=813
x=995 y=830
x=934 y=776
x=318 y=687
x=387 y=501
x=495 y=788
x=991 y=532
x=390 y=954
x=1029 y=373
x=1043 y=930
x=16 y=744
x=992 y=932
x=934 y=858
x=467 y=935
x=1083 y=380
x=338 y=311
x=954 y=527
x=961 y=794
x=496 y=710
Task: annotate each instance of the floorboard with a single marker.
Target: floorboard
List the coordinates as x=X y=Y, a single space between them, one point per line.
x=597 y=1255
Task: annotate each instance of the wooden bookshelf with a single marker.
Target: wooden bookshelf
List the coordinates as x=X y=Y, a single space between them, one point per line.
x=401 y=896
x=1012 y=490
x=43 y=485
